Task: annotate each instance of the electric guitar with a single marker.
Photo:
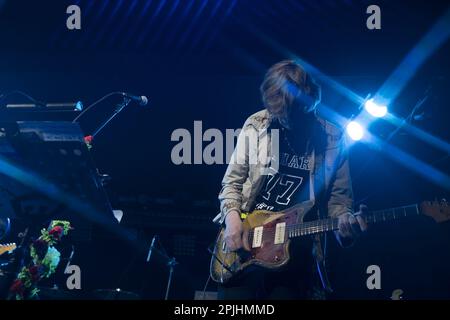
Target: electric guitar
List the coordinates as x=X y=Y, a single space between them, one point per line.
x=269 y=234
x=7 y=247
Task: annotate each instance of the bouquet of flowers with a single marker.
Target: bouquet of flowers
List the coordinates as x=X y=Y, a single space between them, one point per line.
x=44 y=260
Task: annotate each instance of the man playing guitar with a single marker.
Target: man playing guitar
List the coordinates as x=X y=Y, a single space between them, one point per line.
x=312 y=165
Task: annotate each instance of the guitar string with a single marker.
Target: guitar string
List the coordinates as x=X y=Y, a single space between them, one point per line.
x=368 y=218
x=307 y=225
x=308 y=228
x=322 y=225
x=317 y=226
x=302 y=230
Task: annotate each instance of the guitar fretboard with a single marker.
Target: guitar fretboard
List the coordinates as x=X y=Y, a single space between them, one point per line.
x=331 y=224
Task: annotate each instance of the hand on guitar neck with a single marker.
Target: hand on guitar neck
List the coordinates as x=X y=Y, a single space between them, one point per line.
x=351 y=226
x=233 y=235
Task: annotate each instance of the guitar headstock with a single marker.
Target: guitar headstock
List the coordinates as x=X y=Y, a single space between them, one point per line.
x=438 y=210
x=7 y=247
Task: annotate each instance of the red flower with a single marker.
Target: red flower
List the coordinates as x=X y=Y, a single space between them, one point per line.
x=56 y=232
x=17 y=287
x=88 y=139
x=34 y=272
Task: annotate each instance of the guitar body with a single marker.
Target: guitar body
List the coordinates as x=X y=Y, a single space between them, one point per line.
x=9 y=247
x=269 y=243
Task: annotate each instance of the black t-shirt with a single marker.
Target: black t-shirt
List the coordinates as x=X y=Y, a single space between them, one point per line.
x=290 y=184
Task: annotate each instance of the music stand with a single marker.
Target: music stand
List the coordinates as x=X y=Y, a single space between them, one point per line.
x=53 y=176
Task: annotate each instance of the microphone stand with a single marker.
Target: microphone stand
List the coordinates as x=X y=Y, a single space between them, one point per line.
x=170 y=262
x=119 y=108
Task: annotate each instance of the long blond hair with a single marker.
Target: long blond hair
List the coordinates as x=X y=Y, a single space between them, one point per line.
x=282 y=85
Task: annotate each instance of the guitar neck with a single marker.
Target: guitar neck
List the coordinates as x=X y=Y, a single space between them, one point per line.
x=331 y=224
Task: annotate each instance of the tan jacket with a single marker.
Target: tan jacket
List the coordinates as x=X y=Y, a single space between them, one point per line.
x=330 y=177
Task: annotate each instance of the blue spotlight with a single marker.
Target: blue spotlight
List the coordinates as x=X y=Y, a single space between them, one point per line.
x=355 y=130
x=374 y=109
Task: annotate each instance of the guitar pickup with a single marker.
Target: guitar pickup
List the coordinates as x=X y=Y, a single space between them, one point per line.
x=280 y=231
x=257 y=237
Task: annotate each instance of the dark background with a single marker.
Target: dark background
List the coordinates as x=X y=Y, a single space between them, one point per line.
x=204 y=60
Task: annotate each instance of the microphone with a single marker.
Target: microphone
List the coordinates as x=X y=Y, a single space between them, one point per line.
x=141 y=100
x=151 y=248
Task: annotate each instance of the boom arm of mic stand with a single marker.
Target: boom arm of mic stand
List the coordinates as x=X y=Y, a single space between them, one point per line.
x=119 y=108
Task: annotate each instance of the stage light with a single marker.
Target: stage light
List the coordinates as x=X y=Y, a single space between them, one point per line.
x=374 y=109
x=355 y=130
x=79 y=106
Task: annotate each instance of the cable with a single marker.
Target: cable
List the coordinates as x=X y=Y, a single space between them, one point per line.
x=409 y=117
x=95 y=103
x=24 y=94
x=206 y=286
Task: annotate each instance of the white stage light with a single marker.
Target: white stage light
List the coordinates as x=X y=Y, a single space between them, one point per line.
x=355 y=131
x=374 y=109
